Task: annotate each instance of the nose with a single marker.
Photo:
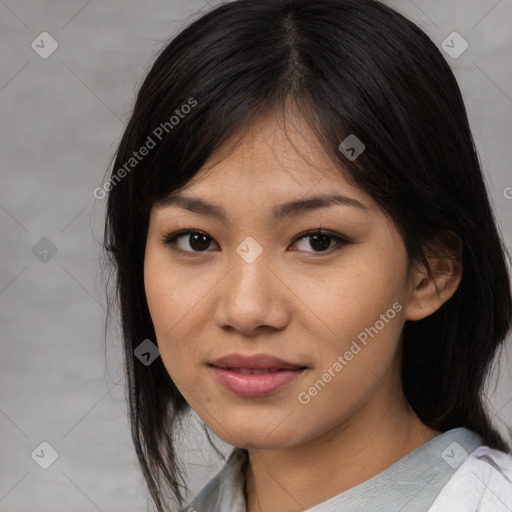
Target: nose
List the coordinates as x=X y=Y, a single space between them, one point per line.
x=252 y=298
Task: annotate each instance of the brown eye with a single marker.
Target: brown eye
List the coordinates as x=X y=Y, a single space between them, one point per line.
x=199 y=242
x=320 y=241
x=193 y=242
x=188 y=241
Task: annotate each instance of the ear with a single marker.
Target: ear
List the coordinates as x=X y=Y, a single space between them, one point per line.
x=430 y=292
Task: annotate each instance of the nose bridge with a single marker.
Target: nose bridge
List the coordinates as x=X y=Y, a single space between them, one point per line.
x=248 y=279
x=251 y=295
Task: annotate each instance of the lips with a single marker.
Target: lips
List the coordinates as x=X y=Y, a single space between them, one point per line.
x=255 y=375
x=255 y=362
x=253 y=370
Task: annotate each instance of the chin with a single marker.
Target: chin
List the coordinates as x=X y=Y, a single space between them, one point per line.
x=257 y=435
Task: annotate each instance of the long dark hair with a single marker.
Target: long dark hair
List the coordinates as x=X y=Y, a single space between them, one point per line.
x=349 y=67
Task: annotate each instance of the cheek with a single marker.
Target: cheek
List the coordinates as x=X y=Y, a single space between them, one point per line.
x=181 y=300
x=356 y=314
x=176 y=300
x=171 y=294
x=357 y=348
x=343 y=302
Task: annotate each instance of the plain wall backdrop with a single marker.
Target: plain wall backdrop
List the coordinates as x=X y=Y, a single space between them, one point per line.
x=61 y=118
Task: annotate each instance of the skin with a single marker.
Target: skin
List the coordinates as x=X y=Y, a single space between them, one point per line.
x=295 y=301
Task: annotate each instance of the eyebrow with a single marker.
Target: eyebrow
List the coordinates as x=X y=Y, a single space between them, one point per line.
x=279 y=211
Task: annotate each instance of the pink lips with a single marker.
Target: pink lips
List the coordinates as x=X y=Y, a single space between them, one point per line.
x=256 y=375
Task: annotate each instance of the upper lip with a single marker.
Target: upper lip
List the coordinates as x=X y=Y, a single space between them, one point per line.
x=254 y=362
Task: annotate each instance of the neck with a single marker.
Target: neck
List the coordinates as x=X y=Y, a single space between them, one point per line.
x=298 y=478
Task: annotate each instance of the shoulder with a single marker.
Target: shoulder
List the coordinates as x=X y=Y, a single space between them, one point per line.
x=483 y=483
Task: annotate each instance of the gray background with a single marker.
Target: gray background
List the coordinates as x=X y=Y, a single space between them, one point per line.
x=61 y=119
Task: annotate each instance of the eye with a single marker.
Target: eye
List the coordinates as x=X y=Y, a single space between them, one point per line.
x=196 y=240
x=184 y=240
x=320 y=240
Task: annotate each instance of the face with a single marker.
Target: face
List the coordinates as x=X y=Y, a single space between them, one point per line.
x=276 y=336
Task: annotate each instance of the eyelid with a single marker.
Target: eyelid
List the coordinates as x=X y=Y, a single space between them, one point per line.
x=169 y=240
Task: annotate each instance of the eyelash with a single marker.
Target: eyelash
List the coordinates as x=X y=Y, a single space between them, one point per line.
x=170 y=241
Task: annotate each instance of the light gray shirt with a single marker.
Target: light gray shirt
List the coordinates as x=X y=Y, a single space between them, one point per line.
x=409 y=485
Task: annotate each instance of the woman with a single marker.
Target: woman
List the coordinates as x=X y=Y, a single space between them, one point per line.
x=298 y=219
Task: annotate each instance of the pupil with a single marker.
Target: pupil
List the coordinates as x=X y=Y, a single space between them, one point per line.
x=314 y=238
x=201 y=245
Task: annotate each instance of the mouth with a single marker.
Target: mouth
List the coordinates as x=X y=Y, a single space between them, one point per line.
x=253 y=376
x=258 y=371
x=255 y=362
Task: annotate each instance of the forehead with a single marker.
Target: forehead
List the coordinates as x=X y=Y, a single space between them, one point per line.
x=273 y=157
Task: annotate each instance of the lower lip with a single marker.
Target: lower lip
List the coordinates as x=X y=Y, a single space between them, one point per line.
x=255 y=384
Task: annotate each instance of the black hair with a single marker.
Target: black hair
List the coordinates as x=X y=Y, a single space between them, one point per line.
x=348 y=67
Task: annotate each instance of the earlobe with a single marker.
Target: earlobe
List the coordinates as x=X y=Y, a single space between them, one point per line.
x=430 y=292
